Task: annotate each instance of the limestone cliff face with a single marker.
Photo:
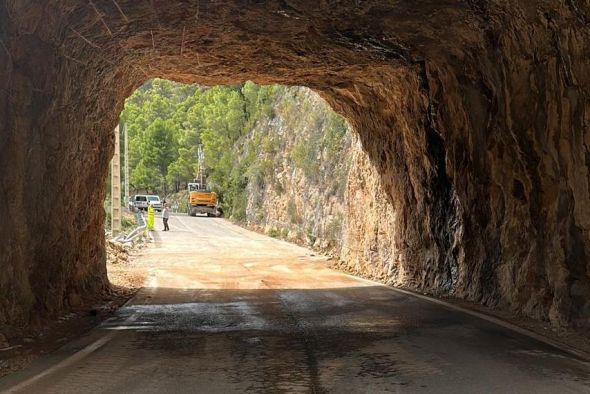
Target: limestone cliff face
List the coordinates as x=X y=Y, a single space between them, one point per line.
x=299 y=194
x=317 y=186
x=369 y=232
x=475 y=115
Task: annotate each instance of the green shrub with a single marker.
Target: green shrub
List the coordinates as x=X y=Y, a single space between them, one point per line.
x=270 y=144
x=274 y=232
x=128 y=223
x=304 y=156
x=334 y=136
x=310 y=236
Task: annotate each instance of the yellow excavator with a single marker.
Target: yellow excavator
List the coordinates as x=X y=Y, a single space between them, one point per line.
x=202 y=200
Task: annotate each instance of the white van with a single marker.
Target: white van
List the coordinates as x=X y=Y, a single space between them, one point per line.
x=139 y=201
x=143 y=201
x=154 y=201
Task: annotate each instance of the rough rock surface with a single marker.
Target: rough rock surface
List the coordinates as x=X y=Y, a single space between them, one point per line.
x=335 y=204
x=369 y=232
x=305 y=154
x=475 y=114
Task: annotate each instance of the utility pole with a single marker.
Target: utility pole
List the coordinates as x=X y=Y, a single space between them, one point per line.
x=126 y=160
x=116 y=187
x=200 y=164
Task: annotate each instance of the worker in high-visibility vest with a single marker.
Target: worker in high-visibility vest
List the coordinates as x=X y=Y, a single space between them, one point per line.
x=150 y=218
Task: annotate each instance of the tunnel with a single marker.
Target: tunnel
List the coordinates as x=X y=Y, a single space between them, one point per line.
x=474 y=112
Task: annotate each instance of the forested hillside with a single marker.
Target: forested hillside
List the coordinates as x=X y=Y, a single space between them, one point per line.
x=167 y=121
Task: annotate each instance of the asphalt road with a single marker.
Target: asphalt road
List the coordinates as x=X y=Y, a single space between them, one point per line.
x=230 y=311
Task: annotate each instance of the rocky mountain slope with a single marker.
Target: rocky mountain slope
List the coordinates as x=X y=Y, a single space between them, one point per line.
x=316 y=186
x=298 y=189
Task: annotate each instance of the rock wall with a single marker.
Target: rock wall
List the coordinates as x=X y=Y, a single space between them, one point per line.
x=332 y=199
x=474 y=113
x=369 y=233
x=299 y=194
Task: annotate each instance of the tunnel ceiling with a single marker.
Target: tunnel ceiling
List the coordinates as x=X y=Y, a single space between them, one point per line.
x=474 y=112
x=298 y=43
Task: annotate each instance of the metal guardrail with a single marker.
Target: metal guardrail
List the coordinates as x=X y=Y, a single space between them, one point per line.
x=139 y=231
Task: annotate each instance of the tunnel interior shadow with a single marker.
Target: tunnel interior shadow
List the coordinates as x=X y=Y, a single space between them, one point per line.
x=333 y=321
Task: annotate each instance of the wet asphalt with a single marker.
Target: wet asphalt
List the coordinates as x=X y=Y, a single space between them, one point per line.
x=226 y=310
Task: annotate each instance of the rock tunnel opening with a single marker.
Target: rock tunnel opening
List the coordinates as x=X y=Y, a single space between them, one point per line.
x=235 y=141
x=474 y=115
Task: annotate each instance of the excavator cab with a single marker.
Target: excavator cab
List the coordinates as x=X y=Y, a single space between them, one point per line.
x=202 y=200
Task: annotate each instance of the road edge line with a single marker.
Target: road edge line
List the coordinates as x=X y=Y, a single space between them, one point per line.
x=492 y=319
x=77 y=356
x=74 y=357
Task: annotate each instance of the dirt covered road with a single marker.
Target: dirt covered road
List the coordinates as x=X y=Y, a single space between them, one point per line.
x=226 y=310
